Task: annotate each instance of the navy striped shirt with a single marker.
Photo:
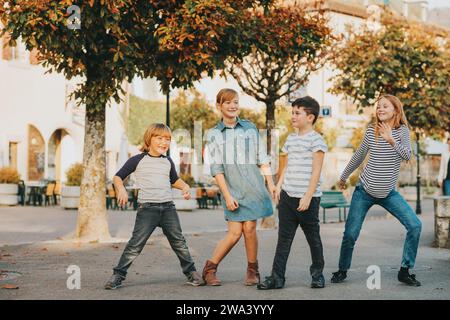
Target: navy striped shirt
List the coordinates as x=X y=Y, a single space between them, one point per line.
x=380 y=175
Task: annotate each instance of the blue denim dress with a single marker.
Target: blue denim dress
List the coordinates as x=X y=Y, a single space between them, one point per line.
x=237 y=152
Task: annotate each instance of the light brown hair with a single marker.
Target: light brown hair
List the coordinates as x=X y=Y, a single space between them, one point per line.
x=226 y=94
x=155 y=129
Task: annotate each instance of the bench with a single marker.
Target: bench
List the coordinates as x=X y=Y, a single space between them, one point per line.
x=334 y=199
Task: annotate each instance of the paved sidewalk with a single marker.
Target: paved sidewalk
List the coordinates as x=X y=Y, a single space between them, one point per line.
x=156 y=273
x=22 y=225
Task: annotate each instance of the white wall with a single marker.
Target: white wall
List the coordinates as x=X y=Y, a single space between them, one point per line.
x=28 y=96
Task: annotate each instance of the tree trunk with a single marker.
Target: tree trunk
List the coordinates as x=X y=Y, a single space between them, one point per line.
x=92 y=224
x=269 y=222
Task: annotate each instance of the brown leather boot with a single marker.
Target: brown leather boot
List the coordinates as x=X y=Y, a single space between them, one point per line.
x=209 y=274
x=252 y=277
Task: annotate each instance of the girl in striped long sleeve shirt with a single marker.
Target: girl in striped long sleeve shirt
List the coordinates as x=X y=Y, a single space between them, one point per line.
x=387 y=143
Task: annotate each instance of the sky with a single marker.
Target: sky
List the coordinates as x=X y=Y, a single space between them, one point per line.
x=438 y=3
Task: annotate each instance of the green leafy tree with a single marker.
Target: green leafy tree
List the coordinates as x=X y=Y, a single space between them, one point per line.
x=175 y=41
x=194 y=40
x=404 y=58
x=141 y=114
x=357 y=137
x=330 y=134
x=257 y=117
x=114 y=35
x=287 y=44
x=187 y=110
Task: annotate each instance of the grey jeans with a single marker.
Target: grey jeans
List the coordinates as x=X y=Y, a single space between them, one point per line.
x=148 y=217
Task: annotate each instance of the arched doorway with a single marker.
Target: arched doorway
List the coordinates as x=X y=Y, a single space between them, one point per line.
x=60 y=154
x=36 y=154
x=68 y=155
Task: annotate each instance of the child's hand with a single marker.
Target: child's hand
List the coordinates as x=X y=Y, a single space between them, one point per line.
x=304 y=203
x=386 y=132
x=186 y=192
x=342 y=185
x=232 y=204
x=273 y=191
x=277 y=194
x=122 y=197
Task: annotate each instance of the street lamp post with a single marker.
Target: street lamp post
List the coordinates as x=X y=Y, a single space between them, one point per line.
x=168 y=113
x=168 y=108
x=418 y=204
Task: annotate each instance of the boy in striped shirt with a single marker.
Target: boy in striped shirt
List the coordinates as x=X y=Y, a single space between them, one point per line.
x=298 y=193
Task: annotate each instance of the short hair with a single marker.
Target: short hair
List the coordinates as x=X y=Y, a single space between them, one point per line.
x=226 y=94
x=309 y=104
x=155 y=129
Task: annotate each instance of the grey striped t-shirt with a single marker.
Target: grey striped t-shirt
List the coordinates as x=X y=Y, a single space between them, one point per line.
x=298 y=172
x=154 y=176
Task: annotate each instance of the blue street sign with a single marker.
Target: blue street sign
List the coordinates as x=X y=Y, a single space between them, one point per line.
x=326 y=111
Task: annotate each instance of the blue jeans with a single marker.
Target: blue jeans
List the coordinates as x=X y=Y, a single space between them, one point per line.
x=397 y=206
x=148 y=217
x=446 y=187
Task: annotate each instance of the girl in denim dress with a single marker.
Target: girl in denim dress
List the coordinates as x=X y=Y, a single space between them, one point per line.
x=239 y=163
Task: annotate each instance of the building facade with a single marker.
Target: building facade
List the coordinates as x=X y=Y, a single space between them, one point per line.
x=41 y=129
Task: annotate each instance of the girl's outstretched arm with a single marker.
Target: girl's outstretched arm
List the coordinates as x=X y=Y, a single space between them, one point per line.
x=358 y=157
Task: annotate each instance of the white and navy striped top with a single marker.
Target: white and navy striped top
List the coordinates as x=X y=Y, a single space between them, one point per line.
x=298 y=172
x=380 y=175
x=154 y=176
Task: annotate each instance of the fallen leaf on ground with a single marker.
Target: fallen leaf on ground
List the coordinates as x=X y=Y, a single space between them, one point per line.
x=10 y=286
x=115 y=246
x=44 y=249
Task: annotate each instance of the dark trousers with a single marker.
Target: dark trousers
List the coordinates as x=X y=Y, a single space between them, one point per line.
x=148 y=217
x=289 y=220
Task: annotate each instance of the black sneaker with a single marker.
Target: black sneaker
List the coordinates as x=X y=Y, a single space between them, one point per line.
x=114 y=282
x=409 y=279
x=318 y=282
x=339 y=276
x=270 y=283
x=195 y=279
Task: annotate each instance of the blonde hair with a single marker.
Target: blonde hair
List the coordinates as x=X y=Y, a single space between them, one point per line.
x=399 y=116
x=226 y=94
x=155 y=129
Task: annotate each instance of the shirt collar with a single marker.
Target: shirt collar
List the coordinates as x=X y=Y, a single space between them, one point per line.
x=221 y=126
